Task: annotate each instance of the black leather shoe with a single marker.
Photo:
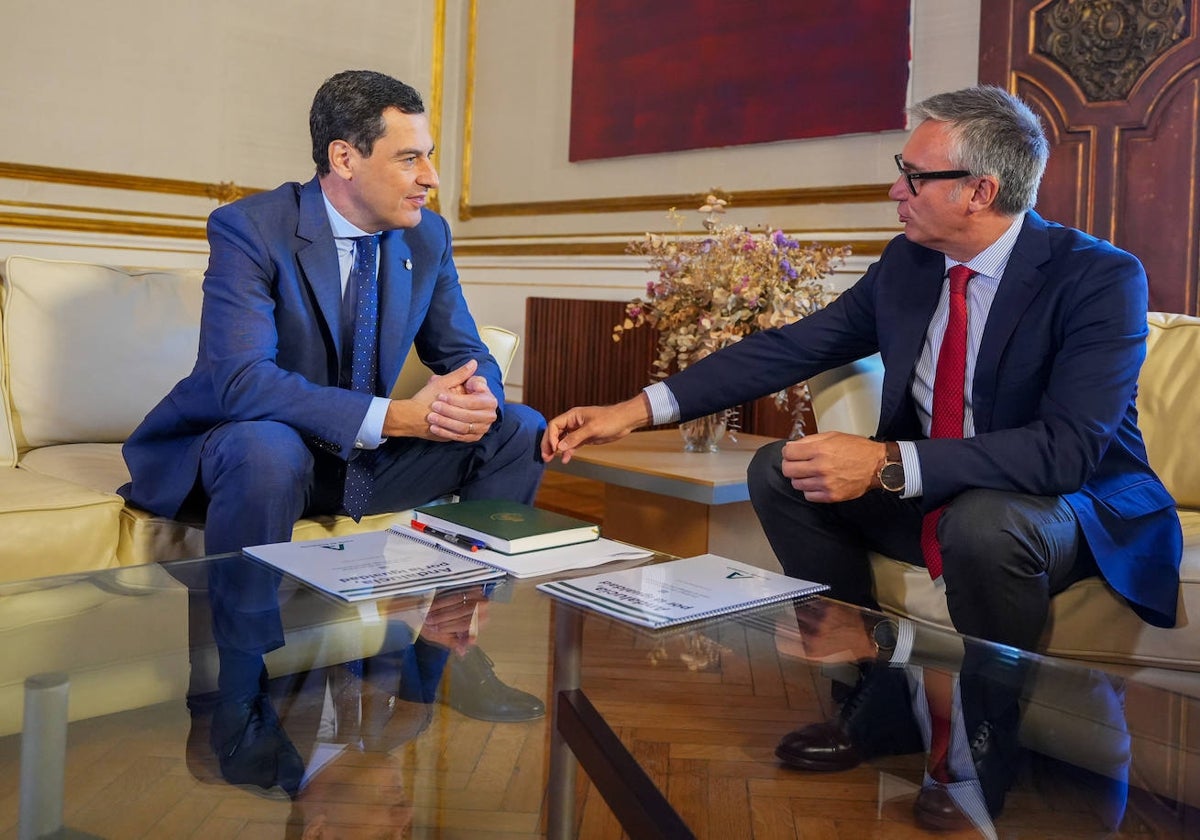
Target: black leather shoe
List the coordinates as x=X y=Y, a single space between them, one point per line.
x=936 y=810
x=252 y=748
x=995 y=753
x=823 y=747
x=473 y=689
x=875 y=719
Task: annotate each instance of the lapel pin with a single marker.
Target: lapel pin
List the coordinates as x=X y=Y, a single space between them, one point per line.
x=408 y=265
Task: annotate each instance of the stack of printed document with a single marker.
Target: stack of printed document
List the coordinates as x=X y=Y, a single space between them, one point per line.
x=374 y=564
x=404 y=560
x=678 y=591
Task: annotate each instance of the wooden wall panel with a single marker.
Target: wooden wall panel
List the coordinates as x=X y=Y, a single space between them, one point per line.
x=1117 y=84
x=1156 y=175
x=571 y=359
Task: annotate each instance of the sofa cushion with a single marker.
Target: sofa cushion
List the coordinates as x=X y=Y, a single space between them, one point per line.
x=50 y=527
x=147 y=538
x=144 y=537
x=89 y=349
x=1169 y=403
x=97 y=466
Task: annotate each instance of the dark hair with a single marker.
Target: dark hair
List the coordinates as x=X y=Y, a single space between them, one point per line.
x=350 y=106
x=992 y=132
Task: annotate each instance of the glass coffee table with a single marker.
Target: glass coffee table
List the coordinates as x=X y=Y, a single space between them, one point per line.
x=675 y=730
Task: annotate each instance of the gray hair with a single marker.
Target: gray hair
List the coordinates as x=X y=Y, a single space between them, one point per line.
x=992 y=132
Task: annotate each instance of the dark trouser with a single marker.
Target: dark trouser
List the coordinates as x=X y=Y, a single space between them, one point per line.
x=1003 y=554
x=261 y=476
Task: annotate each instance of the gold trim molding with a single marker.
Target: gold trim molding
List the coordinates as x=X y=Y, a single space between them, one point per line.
x=859 y=248
x=468 y=117
x=437 y=83
x=222 y=192
x=852 y=194
x=104 y=226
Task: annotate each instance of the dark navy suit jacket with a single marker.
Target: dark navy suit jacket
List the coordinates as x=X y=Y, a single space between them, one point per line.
x=270 y=341
x=1053 y=395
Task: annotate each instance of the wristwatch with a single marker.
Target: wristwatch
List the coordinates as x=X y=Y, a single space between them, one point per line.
x=885 y=635
x=891 y=474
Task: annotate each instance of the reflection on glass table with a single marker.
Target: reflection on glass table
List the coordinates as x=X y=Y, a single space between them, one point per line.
x=822 y=719
x=368 y=726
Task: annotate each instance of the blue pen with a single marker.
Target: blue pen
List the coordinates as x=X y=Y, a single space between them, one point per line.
x=455 y=539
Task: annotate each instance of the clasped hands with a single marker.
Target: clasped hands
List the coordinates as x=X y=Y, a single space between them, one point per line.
x=457 y=406
x=454 y=618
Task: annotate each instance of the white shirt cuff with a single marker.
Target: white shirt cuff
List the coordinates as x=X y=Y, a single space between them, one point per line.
x=912 y=470
x=663 y=407
x=370 y=433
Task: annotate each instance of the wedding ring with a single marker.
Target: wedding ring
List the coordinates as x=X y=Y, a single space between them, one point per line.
x=470 y=428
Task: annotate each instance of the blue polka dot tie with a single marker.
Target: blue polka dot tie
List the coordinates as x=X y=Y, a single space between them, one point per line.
x=360 y=476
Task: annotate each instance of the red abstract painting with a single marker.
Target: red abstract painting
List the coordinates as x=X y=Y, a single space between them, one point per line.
x=667 y=75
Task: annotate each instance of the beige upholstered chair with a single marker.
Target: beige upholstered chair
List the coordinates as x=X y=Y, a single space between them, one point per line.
x=86 y=351
x=1089 y=620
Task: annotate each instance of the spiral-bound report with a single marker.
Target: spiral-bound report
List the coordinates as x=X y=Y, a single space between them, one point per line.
x=375 y=564
x=679 y=591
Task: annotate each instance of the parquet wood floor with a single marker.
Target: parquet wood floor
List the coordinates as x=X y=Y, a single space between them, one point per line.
x=706 y=736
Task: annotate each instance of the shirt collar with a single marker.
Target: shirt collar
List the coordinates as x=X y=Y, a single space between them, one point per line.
x=342 y=228
x=992 y=260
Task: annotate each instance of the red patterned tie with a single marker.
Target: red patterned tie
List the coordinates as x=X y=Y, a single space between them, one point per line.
x=948 y=399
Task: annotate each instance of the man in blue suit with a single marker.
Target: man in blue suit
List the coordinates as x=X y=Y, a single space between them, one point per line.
x=1048 y=481
x=273 y=418
x=261 y=432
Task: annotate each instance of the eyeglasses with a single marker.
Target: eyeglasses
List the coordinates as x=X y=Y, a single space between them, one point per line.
x=912 y=177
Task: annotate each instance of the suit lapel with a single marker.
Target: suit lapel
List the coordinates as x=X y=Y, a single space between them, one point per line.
x=920 y=290
x=1021 y=283
x=318 y=259
x=395 y=304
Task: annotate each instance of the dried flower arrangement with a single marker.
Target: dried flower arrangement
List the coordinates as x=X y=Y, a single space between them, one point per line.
x=712 y=290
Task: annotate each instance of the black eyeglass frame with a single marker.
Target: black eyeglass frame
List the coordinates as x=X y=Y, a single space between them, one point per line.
x=911 y=178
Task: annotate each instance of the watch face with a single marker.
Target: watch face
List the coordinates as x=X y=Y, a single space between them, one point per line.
x=892 y=477
x=885 y=635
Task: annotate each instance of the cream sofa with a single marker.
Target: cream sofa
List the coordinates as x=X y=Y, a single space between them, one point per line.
x=85 y=351
x=1088 y=620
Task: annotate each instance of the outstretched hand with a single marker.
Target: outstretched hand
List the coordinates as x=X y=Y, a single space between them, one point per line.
x=593 y=424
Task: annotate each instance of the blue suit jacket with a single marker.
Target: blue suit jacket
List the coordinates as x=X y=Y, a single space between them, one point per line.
x=1053 y=395
x=270 y=341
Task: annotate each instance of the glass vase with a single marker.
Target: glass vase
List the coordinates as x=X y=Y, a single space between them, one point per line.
x=702 y=434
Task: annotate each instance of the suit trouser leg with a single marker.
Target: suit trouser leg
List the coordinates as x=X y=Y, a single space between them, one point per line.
x=828 y=543
x=257 y=476
x=260 y=477
x=1004 y=554
x=505 y=464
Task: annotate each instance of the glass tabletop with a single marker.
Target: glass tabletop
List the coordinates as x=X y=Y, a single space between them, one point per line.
x=708 y=729
x=462 y=713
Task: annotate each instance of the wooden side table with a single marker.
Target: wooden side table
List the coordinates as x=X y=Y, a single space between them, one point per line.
x=683 y=503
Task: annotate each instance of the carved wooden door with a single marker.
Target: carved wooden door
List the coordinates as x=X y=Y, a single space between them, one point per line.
x=1117 y=84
